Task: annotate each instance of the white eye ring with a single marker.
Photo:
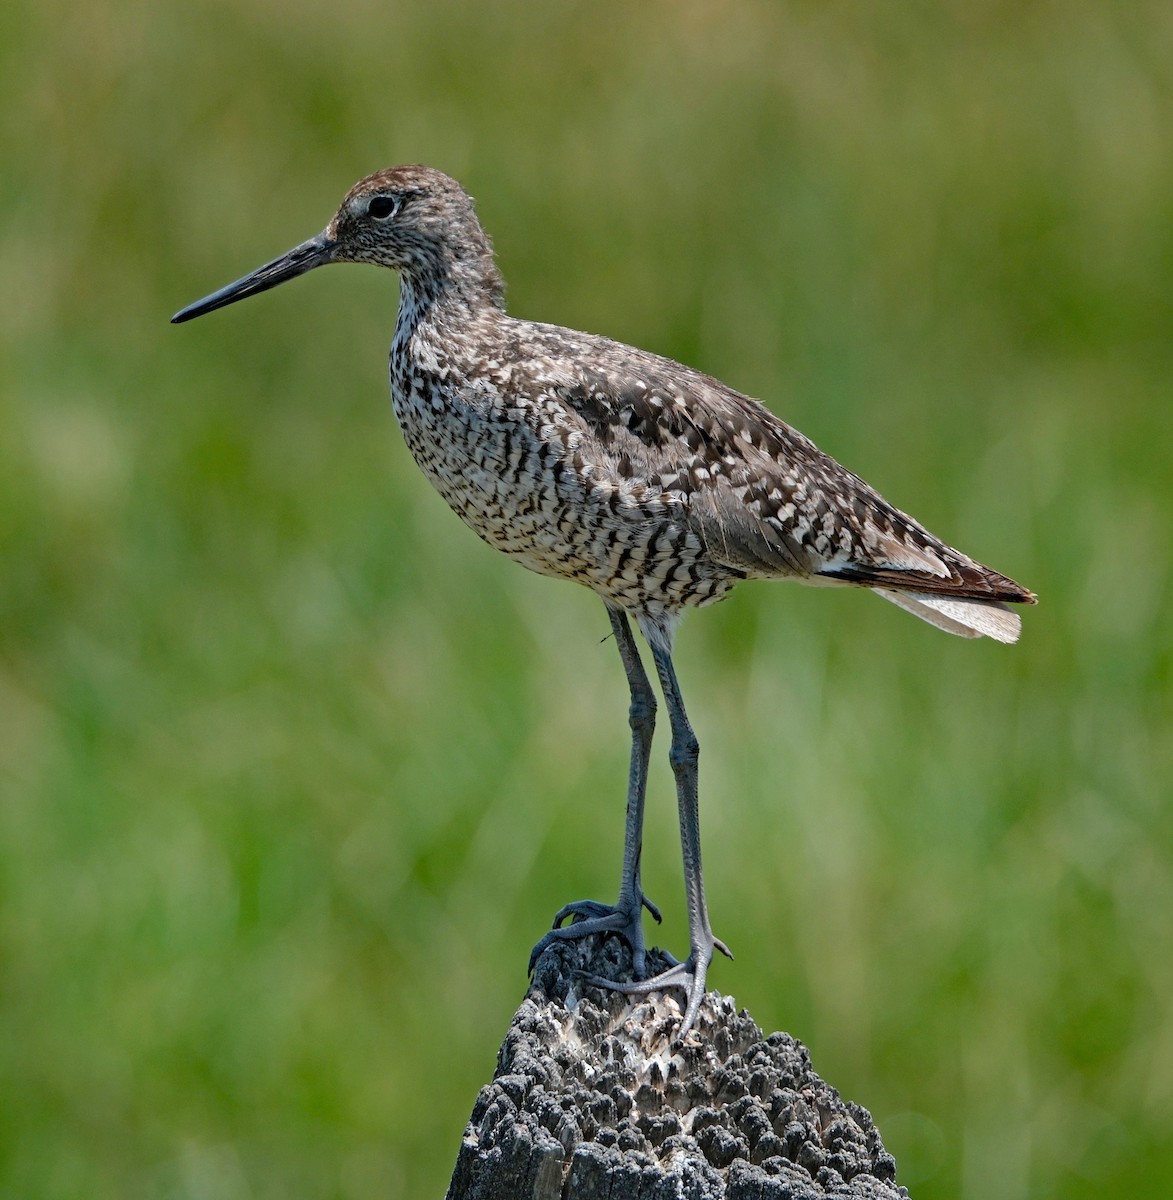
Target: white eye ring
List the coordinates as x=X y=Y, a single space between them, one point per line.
x=382 y=208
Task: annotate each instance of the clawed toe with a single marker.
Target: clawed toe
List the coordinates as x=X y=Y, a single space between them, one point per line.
x=582 y=910
x=690 y=976
x=593 y=910
x=686 y=977
x=592 y=916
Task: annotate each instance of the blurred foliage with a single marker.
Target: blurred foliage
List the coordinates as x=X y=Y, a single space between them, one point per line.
x=293 y=770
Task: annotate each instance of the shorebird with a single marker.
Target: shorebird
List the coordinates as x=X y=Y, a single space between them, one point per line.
x=651 y=483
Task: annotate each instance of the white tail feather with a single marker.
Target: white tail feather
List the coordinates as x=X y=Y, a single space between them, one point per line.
x=965 y=618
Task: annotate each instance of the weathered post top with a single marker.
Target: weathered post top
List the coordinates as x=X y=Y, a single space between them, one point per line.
x=591 y=1100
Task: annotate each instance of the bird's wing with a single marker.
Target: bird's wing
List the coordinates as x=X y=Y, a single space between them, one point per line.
x=763 y=497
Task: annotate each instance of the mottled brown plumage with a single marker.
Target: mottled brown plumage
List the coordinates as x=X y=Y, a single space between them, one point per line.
x=654 y=485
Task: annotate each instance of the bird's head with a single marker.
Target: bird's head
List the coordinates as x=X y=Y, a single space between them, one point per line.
x=415 y=220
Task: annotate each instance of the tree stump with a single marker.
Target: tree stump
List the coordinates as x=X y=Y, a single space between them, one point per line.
x=591 y=1101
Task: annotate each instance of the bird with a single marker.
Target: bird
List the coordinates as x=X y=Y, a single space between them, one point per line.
x=656 y=486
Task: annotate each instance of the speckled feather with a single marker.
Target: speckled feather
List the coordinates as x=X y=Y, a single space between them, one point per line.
x=647 y=481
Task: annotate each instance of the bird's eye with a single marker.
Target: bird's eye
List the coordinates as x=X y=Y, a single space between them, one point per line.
x=381 y=207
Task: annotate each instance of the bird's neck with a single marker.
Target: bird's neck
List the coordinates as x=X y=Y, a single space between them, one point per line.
x=447 y=299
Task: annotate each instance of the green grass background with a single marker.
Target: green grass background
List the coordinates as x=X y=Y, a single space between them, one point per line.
x=293 y=770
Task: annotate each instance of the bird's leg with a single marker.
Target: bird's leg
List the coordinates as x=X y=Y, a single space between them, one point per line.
x=623 y=917
x=689 y=975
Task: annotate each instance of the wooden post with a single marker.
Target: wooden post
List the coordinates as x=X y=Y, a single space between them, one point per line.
x=591 y=1101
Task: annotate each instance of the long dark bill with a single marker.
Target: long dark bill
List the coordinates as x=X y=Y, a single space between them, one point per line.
x=315 y=253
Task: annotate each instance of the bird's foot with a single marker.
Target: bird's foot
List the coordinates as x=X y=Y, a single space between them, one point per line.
x=689 y=976
x=592 y=916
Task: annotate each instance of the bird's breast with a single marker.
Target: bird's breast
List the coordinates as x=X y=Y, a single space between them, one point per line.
x=520 y=472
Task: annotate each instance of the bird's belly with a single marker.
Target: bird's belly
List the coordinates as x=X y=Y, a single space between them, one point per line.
x=527 y=499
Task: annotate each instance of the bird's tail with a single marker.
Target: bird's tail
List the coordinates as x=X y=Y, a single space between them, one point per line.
x=963 y=617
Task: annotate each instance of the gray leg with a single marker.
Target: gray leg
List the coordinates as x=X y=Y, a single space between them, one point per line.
x=689 y=975
x=590 y=916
